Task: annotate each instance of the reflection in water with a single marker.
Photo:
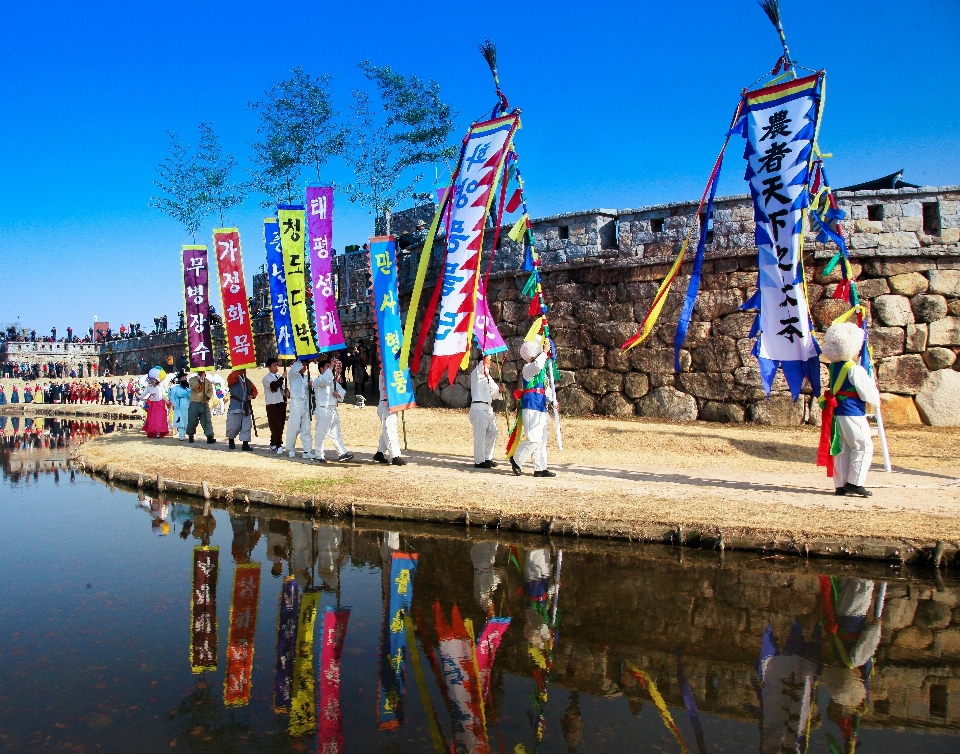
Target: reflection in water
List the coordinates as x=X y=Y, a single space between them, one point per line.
x=744 y=654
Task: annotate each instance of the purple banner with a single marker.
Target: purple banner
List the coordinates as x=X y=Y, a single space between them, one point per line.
x=485 y=328
x=320 y=230
x=196 y=294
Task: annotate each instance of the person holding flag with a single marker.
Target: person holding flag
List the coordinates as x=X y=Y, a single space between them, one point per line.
x=533 y=412
x=328 y=393
x=483 y=391
x=298 y=384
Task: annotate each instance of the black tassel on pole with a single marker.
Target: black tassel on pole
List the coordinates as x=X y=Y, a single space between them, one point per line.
x=772 y=9
x=489 y=51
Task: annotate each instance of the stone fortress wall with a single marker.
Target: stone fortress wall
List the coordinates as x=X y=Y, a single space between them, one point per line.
x=73 y=354
x=601 y=270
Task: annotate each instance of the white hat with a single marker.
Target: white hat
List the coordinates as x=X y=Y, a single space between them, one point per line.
x=530 y=349
x=842 y=342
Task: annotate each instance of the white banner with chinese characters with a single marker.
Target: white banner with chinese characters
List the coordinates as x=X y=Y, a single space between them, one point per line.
x=477 y=175
x=780 y=125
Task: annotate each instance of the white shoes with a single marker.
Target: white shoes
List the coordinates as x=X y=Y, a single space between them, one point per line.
x=293 y=454
x=309 y=456
x=280 y=451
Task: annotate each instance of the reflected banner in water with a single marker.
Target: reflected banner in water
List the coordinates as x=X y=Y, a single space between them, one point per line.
x=243 y=627
x=331 y=716
x=203 y=613
x=303 y=705
x=401 y=567
x=287 y=616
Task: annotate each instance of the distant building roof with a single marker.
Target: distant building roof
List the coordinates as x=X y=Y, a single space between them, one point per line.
x=892 y=181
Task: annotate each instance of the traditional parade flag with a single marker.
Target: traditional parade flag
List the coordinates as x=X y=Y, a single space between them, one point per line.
x=475 y=180
x=196 y=296
x=320 y=227
x=330 y=716
x=487 y=644
x=458 y=659
x=393 y=650
x=303 y=707
x=292 y=242
x=780 y=125
x=485 y=328
x=203 y=609
x=386 y=310
x=282 y=328
x=286 y=644
x=238 y=681
x=233 y=293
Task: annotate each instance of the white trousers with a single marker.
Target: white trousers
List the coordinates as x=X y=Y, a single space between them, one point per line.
x=328 y=425
x=535 y=434
x=850 y=465
x=484 y=423
x=389 y=440
x=299 y=424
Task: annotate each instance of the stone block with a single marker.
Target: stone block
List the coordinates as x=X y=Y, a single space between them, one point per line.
x=898 y=612
x=614 y=404
x=779 y=411
x=590 y=312
x=574 y=401
x=899 y=410
x=724 y=413
x=944 y=332
x=657 y=360
x=613 y=333
x=617 y=360
x=668 y=403
x=872 y=287
x=599 y=381
x=953 y=307
x=913 y=637
x=939 y=399
x=938 y=357
x=455 y=396
x=883 y=268
x=736 y=325
x=945 y=282
x=886 y=341
x=916 y=340
x=715 y=387
x=828 y=309
x=636 y=385
x=893 y=310
x=514 y=312
x=911 y=224
x=931 y=614
x=863 y=240
x=598 y=356
x=713 y=304
x=904 y=375
x=911 y=209
x=572 y=358
x=868 y=226
x=909 y=284
x=427 y=398
x=717 y=354
x=696 y=334
x=928 y=307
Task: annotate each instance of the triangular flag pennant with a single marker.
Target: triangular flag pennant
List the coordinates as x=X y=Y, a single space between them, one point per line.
x=516 y=232
x=514 y=202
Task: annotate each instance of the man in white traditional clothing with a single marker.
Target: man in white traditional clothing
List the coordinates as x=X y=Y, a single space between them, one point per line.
x=483 y=391
x=299 y=422
x=851 y=389
x=389 y=449
x=533 y=411
x=328 y=394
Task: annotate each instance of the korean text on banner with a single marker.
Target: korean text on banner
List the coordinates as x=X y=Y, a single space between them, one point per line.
x=293 y=243
x=286 y=644
x=478 y=173
x=485 y=328
x=238 y=680
x=393 y=651
x=196 y=295
x=320 y=227
x=282 y=328
x=233 y=292
x=303 y=706
x=203 y=609
x=330 y=715
x=781 y=122
x=386 y=309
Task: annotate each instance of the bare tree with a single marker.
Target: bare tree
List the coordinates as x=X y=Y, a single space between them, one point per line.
x=220 y=191
x=411 y=129
x=298 y=129
x=182 y=184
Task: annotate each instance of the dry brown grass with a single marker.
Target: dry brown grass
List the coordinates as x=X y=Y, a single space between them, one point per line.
x=734 y=477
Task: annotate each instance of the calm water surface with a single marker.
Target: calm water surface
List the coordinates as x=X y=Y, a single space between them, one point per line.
x=134 y=624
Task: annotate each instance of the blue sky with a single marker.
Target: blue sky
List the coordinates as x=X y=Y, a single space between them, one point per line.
x=625 y=104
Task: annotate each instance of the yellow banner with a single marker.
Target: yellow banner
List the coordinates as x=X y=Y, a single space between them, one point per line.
x=303 y=707
x=292 y=243
x=517 y=231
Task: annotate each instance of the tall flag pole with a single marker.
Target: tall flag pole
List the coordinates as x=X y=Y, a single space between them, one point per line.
x=233 y=293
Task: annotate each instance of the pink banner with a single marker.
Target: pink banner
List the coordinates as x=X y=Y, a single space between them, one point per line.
x=484 y=328
x=233 y=292
x=487 y=645
x=320 y=229
x=329 y=714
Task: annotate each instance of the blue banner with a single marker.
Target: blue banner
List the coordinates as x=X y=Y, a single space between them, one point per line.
x=386 y=308
x=278 y=290
x=393 y=652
